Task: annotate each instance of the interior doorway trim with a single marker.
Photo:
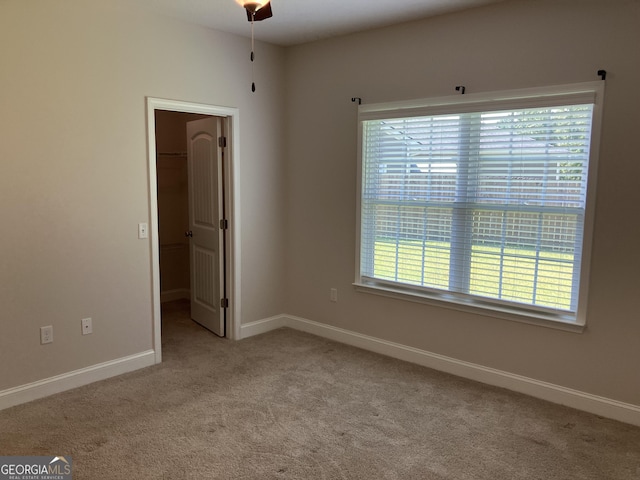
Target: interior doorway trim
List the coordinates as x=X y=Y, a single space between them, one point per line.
x=232 y=194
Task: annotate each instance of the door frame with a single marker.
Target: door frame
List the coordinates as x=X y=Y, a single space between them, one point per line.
x=231 y=121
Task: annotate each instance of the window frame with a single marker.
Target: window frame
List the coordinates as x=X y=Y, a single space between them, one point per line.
x=520 y=98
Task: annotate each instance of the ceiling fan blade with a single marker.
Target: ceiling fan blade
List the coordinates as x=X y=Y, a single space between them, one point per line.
x=262 y=14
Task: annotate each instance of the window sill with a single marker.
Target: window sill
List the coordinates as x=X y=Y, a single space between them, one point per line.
x=493 y=311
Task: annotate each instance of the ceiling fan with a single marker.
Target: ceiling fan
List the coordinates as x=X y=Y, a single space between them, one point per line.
x=257 y=10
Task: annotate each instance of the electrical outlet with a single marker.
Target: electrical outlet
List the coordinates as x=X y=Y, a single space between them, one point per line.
x=333 y=294
x=46 y=334
x=87 y=326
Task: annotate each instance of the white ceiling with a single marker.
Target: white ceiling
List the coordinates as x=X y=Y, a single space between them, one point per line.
x=301 y=21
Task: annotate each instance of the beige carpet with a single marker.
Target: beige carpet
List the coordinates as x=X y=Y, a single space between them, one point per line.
x=288 y=405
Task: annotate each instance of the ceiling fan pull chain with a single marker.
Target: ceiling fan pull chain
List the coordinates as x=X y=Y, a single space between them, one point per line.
x=253 y=83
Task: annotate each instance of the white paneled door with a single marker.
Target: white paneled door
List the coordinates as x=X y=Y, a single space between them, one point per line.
x=206 y=211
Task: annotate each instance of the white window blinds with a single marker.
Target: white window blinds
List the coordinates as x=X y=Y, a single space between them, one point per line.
x=487 y=203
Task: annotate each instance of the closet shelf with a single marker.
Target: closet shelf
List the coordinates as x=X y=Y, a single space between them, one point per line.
x=171 y=154
x=173 y=246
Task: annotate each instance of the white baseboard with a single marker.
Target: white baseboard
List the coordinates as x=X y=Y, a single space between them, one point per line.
x=605 y=407
x=263 y=326
x=77 y=378
x=177 y=294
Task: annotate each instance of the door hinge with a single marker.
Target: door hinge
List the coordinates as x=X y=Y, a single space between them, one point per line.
x=222 y=142
x=224 y=224
x=224 y=303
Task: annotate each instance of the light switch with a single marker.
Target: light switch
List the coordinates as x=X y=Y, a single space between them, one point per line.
x=143 y=230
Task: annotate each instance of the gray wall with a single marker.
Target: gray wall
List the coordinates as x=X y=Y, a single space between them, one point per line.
x=74 y=182
x=509 y=45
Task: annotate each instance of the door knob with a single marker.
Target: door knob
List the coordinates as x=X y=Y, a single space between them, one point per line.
x=188 y=233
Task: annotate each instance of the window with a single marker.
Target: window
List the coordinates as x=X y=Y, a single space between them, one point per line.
x=483 y=201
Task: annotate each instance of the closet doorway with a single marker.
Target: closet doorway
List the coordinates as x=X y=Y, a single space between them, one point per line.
x=191 y=226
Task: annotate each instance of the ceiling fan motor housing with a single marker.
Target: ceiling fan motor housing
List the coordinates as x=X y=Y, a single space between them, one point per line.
x=257 y=11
